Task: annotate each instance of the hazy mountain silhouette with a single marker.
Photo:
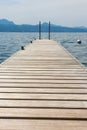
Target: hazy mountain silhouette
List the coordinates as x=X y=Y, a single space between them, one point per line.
x=10 y=26
x=5 y=21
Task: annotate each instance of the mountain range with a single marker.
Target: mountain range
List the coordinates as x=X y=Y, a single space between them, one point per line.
x=10 y=26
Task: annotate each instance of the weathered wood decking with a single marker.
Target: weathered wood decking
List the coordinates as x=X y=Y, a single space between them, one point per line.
x=43 y=88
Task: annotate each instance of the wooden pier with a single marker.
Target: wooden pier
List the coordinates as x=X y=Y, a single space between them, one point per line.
x=43 y=87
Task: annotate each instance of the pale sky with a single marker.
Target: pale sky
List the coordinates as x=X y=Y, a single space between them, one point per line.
x=60 y=12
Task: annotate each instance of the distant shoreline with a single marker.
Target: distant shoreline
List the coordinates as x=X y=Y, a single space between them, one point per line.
x=37 y=32
x=10 y=26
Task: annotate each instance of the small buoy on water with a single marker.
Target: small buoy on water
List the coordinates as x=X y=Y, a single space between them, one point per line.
x=79 y=41
x=22 y=47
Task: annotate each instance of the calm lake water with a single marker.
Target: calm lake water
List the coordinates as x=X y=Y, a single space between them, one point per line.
x=12 y=42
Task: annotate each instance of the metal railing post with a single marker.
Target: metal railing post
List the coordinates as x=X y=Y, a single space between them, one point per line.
x=39 y=30
x=49 y=31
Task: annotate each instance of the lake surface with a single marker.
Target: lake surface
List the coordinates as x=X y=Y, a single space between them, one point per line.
x=12 y=42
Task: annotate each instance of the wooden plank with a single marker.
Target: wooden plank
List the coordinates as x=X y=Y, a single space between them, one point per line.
x=43 y=85
x=46 y=77
x=48 y=66
x=44 y=90
x=52 y=97
x=32 y=113
x=30 y=81
x=50 y=74
x=16 y=124
x=43 y=104
x=40 y=72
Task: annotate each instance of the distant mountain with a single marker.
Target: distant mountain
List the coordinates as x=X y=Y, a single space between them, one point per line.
x=10 y=26
x=5 y=21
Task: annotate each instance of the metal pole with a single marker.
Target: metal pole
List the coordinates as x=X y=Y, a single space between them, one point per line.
x=49 y=31
x=39 y=29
